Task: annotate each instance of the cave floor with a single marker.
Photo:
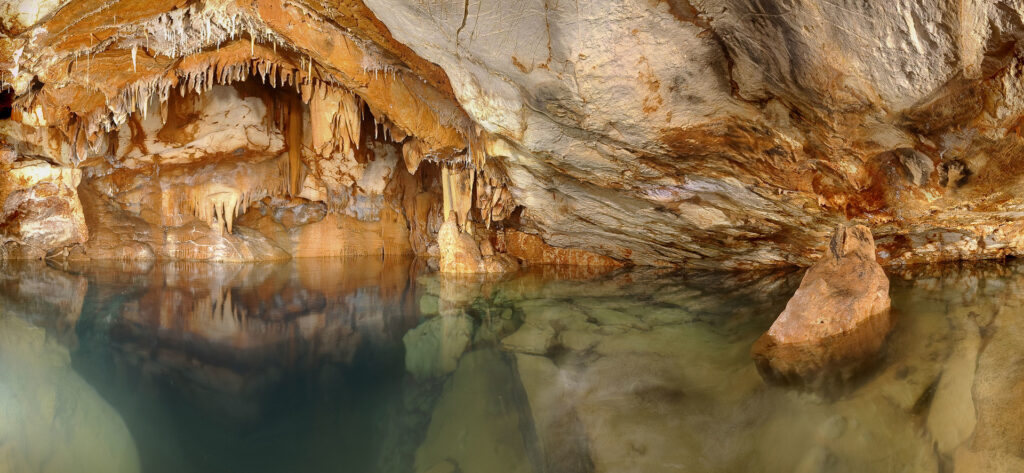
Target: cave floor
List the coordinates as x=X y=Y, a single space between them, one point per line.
x=364 y=364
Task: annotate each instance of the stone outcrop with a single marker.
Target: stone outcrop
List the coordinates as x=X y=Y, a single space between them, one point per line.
x=838 y=317
x=461 y=253
x=532 y=249
x=735 y=133
x=41 y=211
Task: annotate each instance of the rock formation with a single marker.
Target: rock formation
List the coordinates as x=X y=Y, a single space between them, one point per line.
x=838 y=317
x=461 y=253
x=704 y=133
x=41 y=211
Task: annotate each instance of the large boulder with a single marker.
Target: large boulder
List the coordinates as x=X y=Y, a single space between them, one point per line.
x=838 y=317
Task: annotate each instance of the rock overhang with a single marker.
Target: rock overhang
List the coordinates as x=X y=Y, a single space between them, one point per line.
x=664 y=133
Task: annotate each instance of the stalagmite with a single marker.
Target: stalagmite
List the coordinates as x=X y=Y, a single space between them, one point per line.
x=457 y=188
x=446 y=193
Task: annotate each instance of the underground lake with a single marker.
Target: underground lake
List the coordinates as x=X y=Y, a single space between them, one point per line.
x=364 y=364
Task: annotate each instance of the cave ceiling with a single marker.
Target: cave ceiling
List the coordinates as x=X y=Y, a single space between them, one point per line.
x=715 y=133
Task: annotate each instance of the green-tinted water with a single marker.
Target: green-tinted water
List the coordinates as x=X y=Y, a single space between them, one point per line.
x=359 y=365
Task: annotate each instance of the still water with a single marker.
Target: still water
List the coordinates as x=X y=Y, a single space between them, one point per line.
x=363 y=365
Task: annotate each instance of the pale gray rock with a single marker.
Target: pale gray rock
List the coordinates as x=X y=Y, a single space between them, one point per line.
x=689 y=131
x=433 y=349
x=53 y=421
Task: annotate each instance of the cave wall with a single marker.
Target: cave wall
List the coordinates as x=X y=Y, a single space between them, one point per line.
x=738 y=133
x=724 y=134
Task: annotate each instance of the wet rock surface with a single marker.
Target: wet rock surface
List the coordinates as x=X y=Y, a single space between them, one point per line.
x=460 y=252
x=769 y=132
x=838 y=318
x=41 y=211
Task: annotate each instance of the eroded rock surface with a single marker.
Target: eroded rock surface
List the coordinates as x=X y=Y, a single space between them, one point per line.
x=838 y=317
x=710 y=133
x=461 y=253
x=41 y=211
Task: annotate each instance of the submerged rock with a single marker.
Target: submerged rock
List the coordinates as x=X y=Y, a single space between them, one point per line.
x=52 y=420
x=433 y=348
x=838 y=317
x=469 y=431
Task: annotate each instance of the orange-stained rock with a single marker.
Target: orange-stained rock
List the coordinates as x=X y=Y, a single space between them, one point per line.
x=532 y=249
x=341 y=235
x=838 y=317
x=116 y=234
x=197 y=241
x=460 y=253
x=40 y=209
x=328 y=235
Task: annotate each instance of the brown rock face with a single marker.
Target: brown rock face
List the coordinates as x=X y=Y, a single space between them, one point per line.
x=461 y=253
x=40 y=210
x=532 y=249
x=838 y=316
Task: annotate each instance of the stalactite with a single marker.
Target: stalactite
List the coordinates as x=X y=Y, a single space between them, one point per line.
x=462 y=202
x=163 y=112
x=413 y=153
x=294 y=143
x=222 y=193
x=350 y=123
x=477 y=151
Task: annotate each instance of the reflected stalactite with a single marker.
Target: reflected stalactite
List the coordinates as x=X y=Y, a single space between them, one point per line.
x=579 y=359
x=45 y=296
x=258 y=316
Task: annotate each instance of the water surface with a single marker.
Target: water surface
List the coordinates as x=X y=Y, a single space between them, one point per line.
x=362 y=365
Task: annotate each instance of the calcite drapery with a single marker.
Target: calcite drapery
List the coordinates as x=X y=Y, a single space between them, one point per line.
x=729 y=133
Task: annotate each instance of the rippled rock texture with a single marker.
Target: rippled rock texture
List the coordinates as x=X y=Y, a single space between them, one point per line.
x=710 y=133
x=41 y=211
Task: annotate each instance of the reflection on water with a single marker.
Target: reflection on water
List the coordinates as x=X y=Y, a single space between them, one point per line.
x=362 y=365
